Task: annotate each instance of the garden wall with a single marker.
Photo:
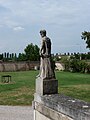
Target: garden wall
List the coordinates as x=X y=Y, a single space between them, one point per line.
x=18 y=66
x=24 y=66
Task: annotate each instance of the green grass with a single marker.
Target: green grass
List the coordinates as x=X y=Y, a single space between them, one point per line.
x=22 y=88
x=75 y=85
x=20 y=91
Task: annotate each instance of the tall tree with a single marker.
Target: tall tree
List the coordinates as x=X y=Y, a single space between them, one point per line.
x=7 y=55
x=86 y=36
x=36 y=52
x=15 y=56
x=21 y=57
x=32 y=52
x=1 y=56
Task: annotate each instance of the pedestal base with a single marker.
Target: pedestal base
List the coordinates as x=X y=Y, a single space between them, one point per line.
x=48 y=86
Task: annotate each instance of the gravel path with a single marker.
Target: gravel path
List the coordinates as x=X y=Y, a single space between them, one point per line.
x=16 y=113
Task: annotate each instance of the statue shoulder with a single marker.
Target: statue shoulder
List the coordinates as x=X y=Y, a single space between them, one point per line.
x=46 y=40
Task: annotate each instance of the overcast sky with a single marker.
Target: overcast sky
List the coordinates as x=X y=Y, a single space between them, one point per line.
x=64 y=20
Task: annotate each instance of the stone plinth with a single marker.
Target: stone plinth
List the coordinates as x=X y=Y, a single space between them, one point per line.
x=48 y=86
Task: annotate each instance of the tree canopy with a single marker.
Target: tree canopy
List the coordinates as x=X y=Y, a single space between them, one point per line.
x=86 y=36
x=32 y=52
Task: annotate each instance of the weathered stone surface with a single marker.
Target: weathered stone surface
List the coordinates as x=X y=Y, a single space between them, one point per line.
x=64 y=105
x=46 y=86
x=18 y=66
x=43 y=112
x=39 y=116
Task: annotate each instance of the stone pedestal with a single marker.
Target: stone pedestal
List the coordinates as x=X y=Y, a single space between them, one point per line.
x=48 y=86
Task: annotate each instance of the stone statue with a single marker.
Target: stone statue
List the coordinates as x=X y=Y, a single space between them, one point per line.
x=46 y=65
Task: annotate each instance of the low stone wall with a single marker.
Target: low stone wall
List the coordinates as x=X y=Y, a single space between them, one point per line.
x=60 y=107
x=24 y=66
x=18 y=66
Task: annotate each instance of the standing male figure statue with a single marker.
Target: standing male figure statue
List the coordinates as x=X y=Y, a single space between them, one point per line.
x=46 y=67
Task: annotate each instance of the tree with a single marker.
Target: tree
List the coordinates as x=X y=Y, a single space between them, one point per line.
x=7 y=55
x=36 y=53
x=21 y=57
x=1 y=56
x=66 y=63
x=32 y=52
x=15 y=57
x=12 y=55
x=86 y=36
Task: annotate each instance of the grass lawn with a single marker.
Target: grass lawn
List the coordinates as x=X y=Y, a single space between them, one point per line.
x=21 y=90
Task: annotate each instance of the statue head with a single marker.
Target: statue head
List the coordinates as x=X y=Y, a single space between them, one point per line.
x=43 y=33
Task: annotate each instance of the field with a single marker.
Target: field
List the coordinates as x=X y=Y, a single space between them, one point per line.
x=21 y=90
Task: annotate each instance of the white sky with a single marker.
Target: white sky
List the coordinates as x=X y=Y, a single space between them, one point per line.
x=64 y=20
